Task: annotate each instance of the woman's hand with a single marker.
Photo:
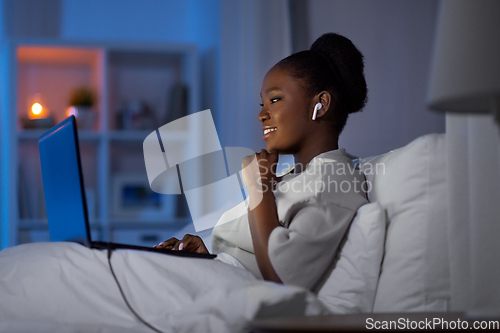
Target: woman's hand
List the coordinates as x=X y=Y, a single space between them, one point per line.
x=188 y=243
x=259 y=170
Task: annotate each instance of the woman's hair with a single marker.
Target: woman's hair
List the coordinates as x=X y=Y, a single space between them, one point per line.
x=335 y=65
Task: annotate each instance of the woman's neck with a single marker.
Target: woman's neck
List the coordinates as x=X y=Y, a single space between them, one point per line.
x=303 y=158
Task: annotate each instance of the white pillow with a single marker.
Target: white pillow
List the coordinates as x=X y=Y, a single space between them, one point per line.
x=352 y=284
x=411 y=185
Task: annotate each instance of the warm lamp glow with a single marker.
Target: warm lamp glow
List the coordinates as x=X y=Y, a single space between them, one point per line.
x=37 y=107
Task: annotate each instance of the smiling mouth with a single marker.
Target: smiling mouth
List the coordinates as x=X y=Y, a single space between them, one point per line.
x=269 y=130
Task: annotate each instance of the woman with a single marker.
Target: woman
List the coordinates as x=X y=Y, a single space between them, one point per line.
x=295 y=222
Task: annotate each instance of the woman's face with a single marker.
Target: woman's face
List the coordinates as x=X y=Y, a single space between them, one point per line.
x=284 y=115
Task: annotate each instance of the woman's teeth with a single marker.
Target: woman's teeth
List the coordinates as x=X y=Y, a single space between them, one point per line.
x=269 y=130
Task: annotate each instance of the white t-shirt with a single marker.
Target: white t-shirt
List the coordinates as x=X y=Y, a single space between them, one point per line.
x=315 y=208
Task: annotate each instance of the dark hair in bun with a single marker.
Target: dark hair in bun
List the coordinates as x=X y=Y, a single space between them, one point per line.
x=333 y=64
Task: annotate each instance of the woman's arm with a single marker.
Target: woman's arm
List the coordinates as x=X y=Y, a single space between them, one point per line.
x=263 y=219
x=258 y=176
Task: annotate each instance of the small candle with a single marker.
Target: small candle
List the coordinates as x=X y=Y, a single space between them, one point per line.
x=37 y=107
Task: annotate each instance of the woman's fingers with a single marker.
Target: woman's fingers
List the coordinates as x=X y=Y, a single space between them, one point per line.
x=188 y=243
x=192 y=243
x=175 y=244
x=168 y=244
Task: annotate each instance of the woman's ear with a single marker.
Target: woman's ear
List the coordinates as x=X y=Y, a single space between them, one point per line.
x=325 y=98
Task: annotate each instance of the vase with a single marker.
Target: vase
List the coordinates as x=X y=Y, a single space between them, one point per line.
x=85 y=116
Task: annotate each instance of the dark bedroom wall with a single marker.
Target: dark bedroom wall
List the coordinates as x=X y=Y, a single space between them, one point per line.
x=32 y=18
x=163 y=21
x=126 y=20
x=396 y=38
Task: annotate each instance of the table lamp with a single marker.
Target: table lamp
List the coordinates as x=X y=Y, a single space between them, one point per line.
x=465 y=75
x=465 y=79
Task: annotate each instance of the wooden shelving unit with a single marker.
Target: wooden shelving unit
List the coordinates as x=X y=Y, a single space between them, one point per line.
x=119 y=73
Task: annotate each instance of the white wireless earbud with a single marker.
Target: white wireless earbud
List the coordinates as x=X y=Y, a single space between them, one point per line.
x=316 y=108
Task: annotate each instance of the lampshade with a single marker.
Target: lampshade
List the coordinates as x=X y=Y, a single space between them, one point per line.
x=465 y=72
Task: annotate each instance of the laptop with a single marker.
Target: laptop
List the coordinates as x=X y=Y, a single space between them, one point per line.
x=65 y=195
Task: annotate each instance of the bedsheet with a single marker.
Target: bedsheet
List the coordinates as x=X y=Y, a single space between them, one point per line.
x=66 y=287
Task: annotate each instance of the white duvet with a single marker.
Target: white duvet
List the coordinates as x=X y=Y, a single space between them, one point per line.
x=66 y=287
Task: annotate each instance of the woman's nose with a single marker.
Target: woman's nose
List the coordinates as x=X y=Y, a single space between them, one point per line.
x=264 y=115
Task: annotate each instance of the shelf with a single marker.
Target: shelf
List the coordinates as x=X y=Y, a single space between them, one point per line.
x=41 y=224
x=141 y=135
x=33 y=224
x=124 y=135
x=118 y=135
x=34 y=134
x=58 y=55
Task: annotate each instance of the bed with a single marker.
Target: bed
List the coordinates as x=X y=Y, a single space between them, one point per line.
x=394 y=259
x=66 y=287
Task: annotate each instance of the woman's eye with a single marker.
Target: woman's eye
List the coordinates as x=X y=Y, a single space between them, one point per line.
x=272 y=101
